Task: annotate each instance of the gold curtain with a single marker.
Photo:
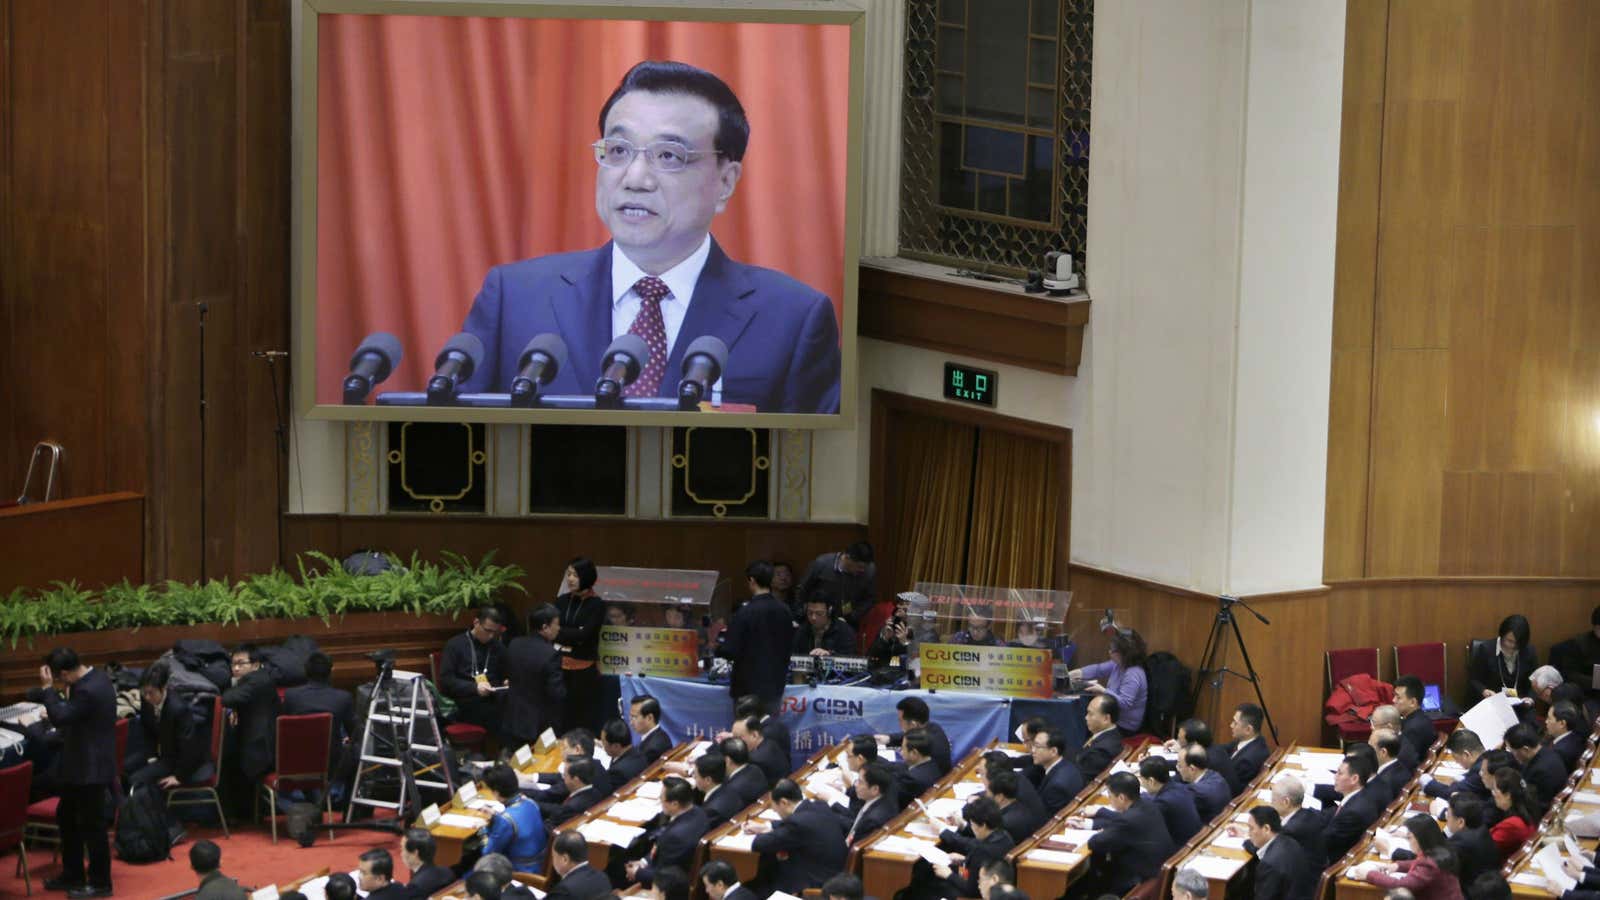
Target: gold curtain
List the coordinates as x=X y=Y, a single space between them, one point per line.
x=931 y=468
x=1015 y=499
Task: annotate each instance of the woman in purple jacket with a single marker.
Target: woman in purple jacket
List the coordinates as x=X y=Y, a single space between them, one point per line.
x=1122 y=676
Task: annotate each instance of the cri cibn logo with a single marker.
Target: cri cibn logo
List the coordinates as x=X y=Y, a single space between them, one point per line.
x=826 y=706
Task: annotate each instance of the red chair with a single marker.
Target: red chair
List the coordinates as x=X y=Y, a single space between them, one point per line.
x=461 y=735
x=15 y=783
x=206 y=792
x=1428 y=662
x=302 y=764
x=1341 y=664
x=42 y=828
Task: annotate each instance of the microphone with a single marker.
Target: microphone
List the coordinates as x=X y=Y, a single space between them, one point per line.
x=620 y=367
x=454 y=364
x=540 y=362
x=370 y=365
x=702 y=366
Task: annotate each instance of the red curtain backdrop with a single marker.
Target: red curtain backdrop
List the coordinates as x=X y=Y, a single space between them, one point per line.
x=447 y=145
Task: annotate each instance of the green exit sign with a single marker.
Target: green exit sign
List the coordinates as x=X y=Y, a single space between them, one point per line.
x=969 y=384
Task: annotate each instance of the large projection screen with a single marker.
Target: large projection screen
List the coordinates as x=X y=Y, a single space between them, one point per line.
x=447 y=180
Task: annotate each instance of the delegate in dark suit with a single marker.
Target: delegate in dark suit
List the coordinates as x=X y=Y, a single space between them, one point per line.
x=869 y=818
x=1417 y=731
x=1569 y=747
x=758 y=642
x=88 y=766
x=1284 y=873
x=626 y=767
x=938 y=746
x=582 y=882
x=773 y=761
x=1211 y=794
x=654 y=744
x=748 y=784
x=912 y=781
x=1244 y=763
x=1130 y=848
x=1060 y=784
x=312 y=698
x=676 y=841
x=1305 y=827
x=533 y=703
x=429 y=880
x=1348 y=822
x=1475 y=853
x=576 y=804
x=1099 y=752
x=722 y=804
x=808 y=846
x=782 y=338
x=1547 y=775
x=1176 y=803
x=254 y=701
x=1020 y=821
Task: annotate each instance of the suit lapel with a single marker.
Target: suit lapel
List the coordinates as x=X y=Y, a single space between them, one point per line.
x=720 y=307
x=582 y=308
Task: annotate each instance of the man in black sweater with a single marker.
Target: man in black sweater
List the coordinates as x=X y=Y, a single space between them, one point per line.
x=252 y=705
x=88 y=765
x=472 y=666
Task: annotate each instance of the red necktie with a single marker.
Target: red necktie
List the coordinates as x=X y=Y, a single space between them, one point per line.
x=649 y=325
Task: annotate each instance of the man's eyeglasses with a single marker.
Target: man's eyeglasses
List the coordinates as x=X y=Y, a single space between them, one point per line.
x=662 y=156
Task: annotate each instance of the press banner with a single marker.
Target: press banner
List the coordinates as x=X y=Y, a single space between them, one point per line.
x=672 y=652
x=1003 y=671
x=824 y=715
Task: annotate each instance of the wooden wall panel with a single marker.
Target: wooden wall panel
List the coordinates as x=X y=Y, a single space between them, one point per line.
x=94 y=541
x=1485 y=294
x=543 y=546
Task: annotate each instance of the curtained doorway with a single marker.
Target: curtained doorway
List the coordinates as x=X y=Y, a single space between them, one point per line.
x=964 y=496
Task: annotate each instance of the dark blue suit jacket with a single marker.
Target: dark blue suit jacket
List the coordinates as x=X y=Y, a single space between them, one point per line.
x=783 y=340
x=1348 y=822
x=1130 y=847
x=808 y=846
x=1176 y=802
x=1060 y=785
x=1211 y=794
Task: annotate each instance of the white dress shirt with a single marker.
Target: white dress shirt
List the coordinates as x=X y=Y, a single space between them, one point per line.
x=680 y=279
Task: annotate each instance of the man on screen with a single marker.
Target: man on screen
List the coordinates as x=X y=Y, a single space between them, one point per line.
x=672 y=142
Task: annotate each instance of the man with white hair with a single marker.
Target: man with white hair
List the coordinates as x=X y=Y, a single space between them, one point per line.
x=1189 y=885
x=1387 y=718
x=1544 y=681
x=1299 y=823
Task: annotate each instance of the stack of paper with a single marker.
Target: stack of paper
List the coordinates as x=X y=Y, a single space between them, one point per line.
x=1490 y=718
x=935 y=856
x=609 y=832
x=739 y=840
x=771 y=815
x=457 y=820
x=1228 y=842
x=921 y=828
x=965 y=789
x=1548 y=862
x=635 y=809
x=946 y=808
x=315 y=888
x=1075 y=837
x=1527 y=879
x=1219 y=868
x=903 y=846
x=651 y=789
x=1054 y=856
x=487 y=805
x=1588 y=798
x=698 y=750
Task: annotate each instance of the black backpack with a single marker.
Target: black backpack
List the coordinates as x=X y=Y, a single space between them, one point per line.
x=145 y=829
x=1171 y=700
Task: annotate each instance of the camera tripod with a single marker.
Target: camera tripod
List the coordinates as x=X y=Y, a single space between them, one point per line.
x=1214 y=661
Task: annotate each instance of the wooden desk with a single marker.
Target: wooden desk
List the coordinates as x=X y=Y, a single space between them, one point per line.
x=458 y=891
x=1046 y=864
x=725 y=842
x=884 y=872
x=296 y=884
x=451 y=841
x=599 y=851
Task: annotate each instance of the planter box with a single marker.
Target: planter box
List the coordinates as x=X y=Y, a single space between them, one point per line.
x=346 y=639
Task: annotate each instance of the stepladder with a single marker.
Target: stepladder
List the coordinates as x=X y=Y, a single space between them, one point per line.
x=403 y=753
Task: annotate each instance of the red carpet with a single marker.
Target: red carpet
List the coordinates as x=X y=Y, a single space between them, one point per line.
x=249 y=856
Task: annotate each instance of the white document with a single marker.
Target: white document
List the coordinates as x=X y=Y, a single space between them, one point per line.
x=1574 y=852
x=270 y=892
x=609 y=832
x=314 y=889
x=780 y=895
x=651 y=789
x=1310 y=802
x=1220 y=868
x=771 y=815
x=636 y=809
x=1228 y=842
x=1077 y=837
x=935 y=856
x=902 y=846
x=946 y=808
x=601 y=756
x=739 y=840
x=921 y=828
x=965 y=789
x=1490 y=718
x=1584 y=825
x=457 y=820
x=1548 y=859
x=1587 y=798
x=1527 y=879
x=1059 y=857
x=698 y=750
